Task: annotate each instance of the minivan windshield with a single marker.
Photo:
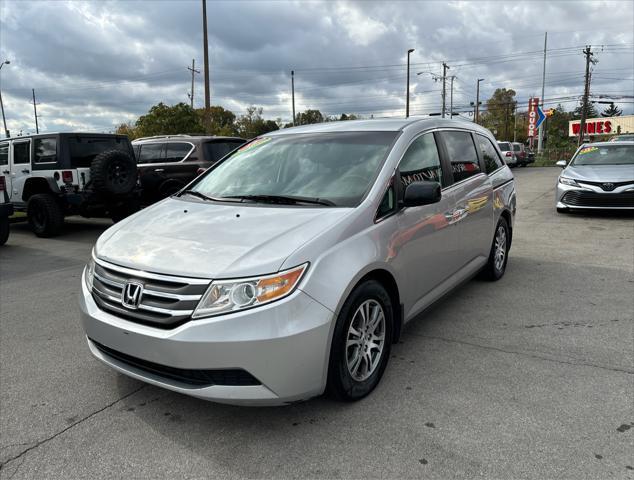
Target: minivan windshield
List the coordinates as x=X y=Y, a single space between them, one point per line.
x=324 y=168
x=605 y=155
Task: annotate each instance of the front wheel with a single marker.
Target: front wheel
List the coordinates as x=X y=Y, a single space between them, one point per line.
x=4 y=230
x=499 y=255
x=361 y=342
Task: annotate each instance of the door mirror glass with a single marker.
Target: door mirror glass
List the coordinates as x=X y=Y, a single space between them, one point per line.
x=421 y=193
x=561 y=163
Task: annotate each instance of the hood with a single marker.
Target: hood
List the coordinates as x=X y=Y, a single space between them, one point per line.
x=600 y=173
x=196 y=239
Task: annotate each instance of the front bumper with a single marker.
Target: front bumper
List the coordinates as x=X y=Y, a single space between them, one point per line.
x=284 y=345
x=593 y=197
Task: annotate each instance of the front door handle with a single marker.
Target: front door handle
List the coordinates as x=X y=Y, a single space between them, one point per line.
x=26 y=170
x=159 y=169
x=6 y=171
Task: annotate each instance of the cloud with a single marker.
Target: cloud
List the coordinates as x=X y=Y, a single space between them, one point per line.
x=95 y=64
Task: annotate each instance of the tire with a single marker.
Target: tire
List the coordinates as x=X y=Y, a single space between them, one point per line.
x=494 y=269
x=349 y=380
x=119 y=213
x=113 y=173
x=45 y=215
x=4 y=230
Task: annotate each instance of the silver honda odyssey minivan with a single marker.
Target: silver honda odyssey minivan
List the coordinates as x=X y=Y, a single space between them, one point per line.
x=291 y=266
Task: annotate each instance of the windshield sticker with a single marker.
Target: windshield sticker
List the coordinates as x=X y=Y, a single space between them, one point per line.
x=588 y=150
x=255 y=143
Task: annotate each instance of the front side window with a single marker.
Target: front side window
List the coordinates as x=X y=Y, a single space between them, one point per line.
x=421 y=162
x=4 y=153
x=152 y=153
x=175 y=152
x=332 y=168
x=491 y=158
x=21 y=152
x=45 y=150
x=462 y=154
x=605 y=155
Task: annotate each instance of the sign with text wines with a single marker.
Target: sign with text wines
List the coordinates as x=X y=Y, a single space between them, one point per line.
x=603 y=126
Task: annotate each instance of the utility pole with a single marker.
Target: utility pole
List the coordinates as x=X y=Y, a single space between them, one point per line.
x=540 y=132
x=444 y=90
x=514 y=123
x=193 y=70
x=586 y=92
x=206 y=64
x=4 y=120
x=451 y=98
x=37 y=128
x=293 y=93
x=477 y=104
x=407 y=89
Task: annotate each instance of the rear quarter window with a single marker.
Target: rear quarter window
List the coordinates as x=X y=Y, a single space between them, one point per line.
x=4 y=153
x=45 y=150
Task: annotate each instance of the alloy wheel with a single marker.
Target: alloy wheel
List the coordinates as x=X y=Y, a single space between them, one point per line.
x=500 y=248
x=365 y=340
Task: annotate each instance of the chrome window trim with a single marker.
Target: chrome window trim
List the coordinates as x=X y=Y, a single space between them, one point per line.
x=165 y=164
x=156 y=276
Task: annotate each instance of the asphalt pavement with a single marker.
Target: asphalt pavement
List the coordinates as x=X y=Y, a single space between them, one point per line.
x=529 y=377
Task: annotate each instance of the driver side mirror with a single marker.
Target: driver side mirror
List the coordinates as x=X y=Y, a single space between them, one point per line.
x=561 y=163
x=421 y=193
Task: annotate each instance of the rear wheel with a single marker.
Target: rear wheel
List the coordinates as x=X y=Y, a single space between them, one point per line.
x=4 y=230
x=361 y=342
x=498 y=257
x=45 y=215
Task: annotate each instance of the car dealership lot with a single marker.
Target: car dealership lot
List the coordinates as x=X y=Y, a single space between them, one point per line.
x=528 y=377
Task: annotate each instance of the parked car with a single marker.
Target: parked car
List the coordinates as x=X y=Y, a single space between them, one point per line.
x=509 y=153
x=522 y=154
x=290 y=267
x=50 y=176
x=6 y=208
x=599 y=176
x=168 y=163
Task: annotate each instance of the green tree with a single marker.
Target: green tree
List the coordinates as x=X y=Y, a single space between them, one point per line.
x=591 y=111
x=612 y=111
x=127 y=129
x=499 y=113
x=169 y=120
x=221 y=121
x=251 y=124
x=557 y=130
x=309 y=116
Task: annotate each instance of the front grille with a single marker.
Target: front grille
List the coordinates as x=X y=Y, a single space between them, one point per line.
x=607 y=186
x=576 y=198
x=166 y=302
x=193 y=377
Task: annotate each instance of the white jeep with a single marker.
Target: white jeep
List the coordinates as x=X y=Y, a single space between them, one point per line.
x=50 y=176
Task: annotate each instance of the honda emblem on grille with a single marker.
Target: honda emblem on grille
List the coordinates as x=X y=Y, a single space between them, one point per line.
x=608 y=187
x=131 y=295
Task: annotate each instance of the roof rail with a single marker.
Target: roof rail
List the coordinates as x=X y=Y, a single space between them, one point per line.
x=163 y=136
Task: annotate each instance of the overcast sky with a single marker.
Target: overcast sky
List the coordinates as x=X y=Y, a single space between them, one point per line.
x=96 y=64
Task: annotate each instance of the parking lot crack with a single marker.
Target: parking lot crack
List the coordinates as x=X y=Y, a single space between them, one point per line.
x=525 y=354
x=39 y=443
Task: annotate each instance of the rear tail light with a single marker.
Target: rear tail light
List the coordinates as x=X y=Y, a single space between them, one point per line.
x=3 y=185
x=509 y=154
x=67 y=176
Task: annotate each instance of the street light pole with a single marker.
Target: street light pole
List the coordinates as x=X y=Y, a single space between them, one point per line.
x=4 y=120
x=407 y=92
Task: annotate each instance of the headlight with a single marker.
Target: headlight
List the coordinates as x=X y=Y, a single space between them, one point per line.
x=568 y=181
x=89 y=273
x=224 y=296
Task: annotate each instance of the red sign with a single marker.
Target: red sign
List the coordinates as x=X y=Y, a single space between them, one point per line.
x=593 y=127
x=533 y=103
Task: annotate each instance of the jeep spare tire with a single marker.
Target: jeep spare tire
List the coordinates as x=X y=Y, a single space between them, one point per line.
x=113 y=173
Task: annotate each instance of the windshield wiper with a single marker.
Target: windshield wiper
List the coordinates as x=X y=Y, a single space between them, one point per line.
x=194 y=193
x=284 y=199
